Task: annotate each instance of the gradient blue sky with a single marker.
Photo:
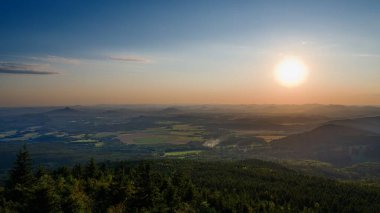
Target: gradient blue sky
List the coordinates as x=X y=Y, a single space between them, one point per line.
x=187 y=52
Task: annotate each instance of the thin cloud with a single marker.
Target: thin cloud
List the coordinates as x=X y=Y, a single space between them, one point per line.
x=25 y=69
x=57 y=59
x=130 y=58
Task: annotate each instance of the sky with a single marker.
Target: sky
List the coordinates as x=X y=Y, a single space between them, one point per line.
x=187 y=52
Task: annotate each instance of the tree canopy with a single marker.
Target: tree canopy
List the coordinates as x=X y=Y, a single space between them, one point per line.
x=179 y=186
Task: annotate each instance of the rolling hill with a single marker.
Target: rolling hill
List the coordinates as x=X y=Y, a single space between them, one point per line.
x=371 y=124
x=342 y=142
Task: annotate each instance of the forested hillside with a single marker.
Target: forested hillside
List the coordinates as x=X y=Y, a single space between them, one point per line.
x=179 y=186
x=334 y=143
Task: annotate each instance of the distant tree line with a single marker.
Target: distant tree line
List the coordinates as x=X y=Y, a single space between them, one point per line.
x=178 y=186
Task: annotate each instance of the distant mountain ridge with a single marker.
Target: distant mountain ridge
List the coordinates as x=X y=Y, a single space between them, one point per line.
x=64 y=110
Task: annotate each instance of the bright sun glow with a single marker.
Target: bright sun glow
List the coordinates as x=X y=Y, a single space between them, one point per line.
x=291 y=72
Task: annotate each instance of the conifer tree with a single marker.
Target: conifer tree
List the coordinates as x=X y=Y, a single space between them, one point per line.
x=20 y=187
x=91 y=170
x=22 y=172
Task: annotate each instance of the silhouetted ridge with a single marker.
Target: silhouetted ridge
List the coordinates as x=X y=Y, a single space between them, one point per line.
x=371 y=124
x=335 y=130
x=326 y=134
x=64 y=110
x=337 y=144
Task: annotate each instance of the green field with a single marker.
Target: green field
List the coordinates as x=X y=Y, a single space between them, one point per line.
x=7 y=133
x=174 y=134
x=85 y=141
x=151 y=140
x=270 y=138
x=24 y=137
x=99 y=144
x=104 y=134
x=183 y=153
x=80 y=136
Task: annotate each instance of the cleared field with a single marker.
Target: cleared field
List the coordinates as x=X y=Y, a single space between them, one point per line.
x=259 y=132
x=99 y=144
x=85 y=141
x=148 y=138
x=183 y=153
x=151 y=139
x=175 y=134
x=270 y=138
x=80 y=136
x=7 y=134
x=104 y=134
x=56 y=134
x=20 y=137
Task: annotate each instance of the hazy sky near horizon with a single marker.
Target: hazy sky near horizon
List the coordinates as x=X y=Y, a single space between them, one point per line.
x=187 y=52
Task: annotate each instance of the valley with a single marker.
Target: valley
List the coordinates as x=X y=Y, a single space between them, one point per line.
x=299 y=134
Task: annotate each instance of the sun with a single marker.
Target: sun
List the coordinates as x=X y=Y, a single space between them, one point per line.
x=291 y=72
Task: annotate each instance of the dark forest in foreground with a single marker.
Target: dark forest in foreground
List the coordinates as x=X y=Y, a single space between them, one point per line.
x=179 y=186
